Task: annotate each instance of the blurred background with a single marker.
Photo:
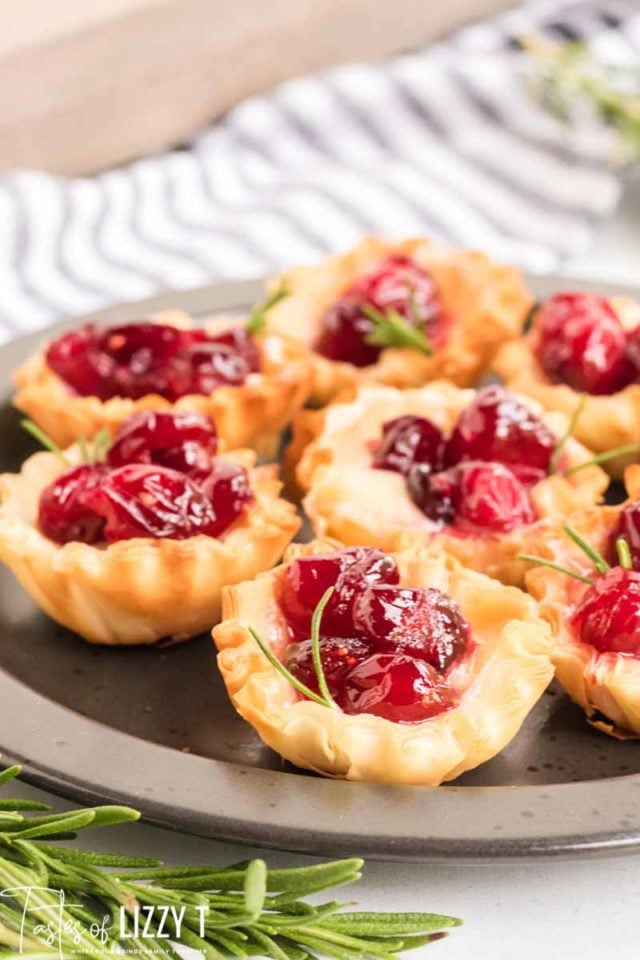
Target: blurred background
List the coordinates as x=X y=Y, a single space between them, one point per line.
x=164 y=144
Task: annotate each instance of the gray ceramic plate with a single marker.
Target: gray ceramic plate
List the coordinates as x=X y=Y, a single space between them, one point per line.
x=153 y=728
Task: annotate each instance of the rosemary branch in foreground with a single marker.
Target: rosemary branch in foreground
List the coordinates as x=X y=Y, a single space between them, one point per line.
x=58 y=902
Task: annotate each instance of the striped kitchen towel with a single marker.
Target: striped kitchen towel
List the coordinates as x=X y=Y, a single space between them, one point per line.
x=444 y=141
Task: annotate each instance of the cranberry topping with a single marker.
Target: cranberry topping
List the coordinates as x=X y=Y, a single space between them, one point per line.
x=434 y=493
x=306 y=579
x=396 y=687
x=229 y=492
x=137 y=359
x=608 y=616
x=627 y=528
x=185 y=442
x=139 y=500
x=400 y=285
x=491 y=497
x=64 y=513
x=421 y=622
x=583 y=344
x=485 y=495
x=338 y=655
x=407 y=440
x=496 y=426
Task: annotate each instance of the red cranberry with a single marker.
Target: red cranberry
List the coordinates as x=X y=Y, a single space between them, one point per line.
x=229 y=492
x=399 y=284
x=64 y=514
x=148 y=501
x=633 y=351
x=433 y=493
x=306 y=579
x=627 y=528
x=608 y=616
x=185 y=442
x=338 y=656
x=489 y=496
x=582 y=343
x=395 y=687
x=496 y=426
x=419 y=622
x=407 y=440
x=137 y=359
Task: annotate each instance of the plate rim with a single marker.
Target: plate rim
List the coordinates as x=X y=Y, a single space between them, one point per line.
x=37 y=732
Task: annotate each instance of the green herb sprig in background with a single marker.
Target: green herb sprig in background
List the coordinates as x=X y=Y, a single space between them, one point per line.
x=248 y=909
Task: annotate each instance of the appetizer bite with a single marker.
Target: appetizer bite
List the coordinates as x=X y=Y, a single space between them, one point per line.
x=583 y=353
x=363 y=665
x=481 y=475
x=250 y=383
x=130 y=540
x=590 y=594
x=399 y=314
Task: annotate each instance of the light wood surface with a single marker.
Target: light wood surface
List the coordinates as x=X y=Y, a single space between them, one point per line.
x=87 y=84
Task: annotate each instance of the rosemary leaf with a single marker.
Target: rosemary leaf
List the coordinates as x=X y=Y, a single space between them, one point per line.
x=44 y=440
x=542 y=562
x=599 y=561
x=257 y=322
x=624 y=554
x=390 y=329
x=562 y=442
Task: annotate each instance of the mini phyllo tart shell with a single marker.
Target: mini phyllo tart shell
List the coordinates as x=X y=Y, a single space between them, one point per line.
x=498 y=682
x=141 y=590
x=606 y=685
x=348 y=499
x=484 y=303
x=249 y=415
x=605 y=421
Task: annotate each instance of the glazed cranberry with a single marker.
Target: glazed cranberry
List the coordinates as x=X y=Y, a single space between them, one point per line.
x=633 y=351
x=608 y=616
x=306 y=579
x=242 y=343
x=148 y=501
x=496 y=426
x=137 y=359
x=396 y=687
x=64 y=514
x=338 y=656
x=419 y=622
x=433 y=493
x=627 y=528
x=491 y=497
x=185 y=442
x=212 y=365
x=400 y=285
x=407 y=440
x=582 y=343
x=229 y=492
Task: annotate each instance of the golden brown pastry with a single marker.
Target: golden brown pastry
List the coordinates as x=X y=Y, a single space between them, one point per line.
x=583 y=354
x=137 y=547
x=462 y=303
x=596 y=627
x=95 y=378
x=438 y=670
x=458 y=470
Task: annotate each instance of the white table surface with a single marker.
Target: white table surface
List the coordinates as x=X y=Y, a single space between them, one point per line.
x=584 y=908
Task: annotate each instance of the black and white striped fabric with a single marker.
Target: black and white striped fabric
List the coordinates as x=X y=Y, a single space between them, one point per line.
x=444 y=141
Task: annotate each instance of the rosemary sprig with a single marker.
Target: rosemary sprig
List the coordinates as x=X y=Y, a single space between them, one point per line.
x=62 y=903
x=89 y=453
x=543 y=562
x=390 y=329
x=624 y=554
x=257 y=321
x=602 y=457
x=324 y=698
x=598 y=560
x=568 y=77
x=562 y=442
x=44 y=439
